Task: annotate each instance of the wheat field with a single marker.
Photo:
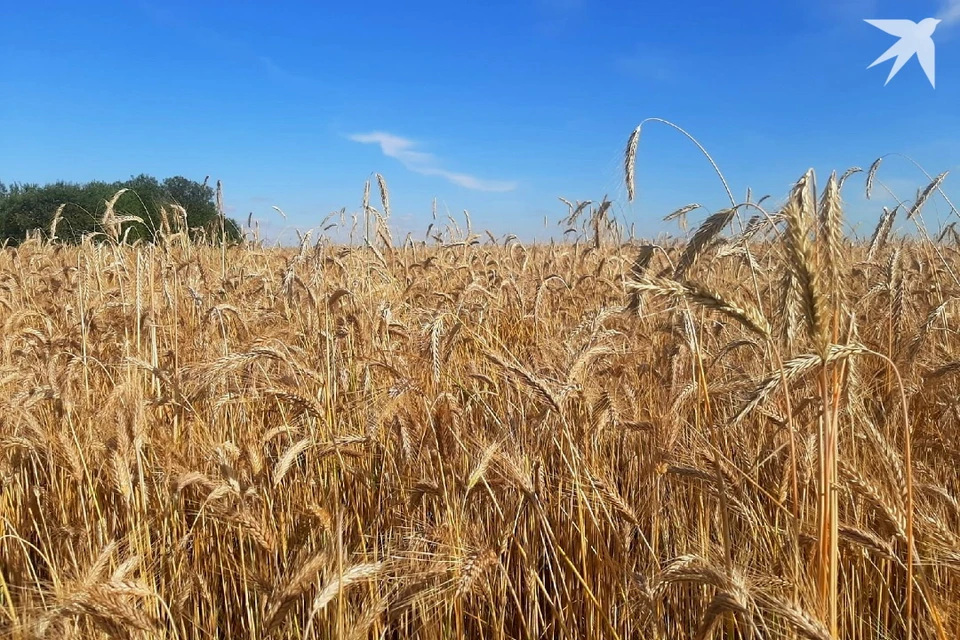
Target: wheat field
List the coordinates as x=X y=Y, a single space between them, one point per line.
x=750 y=433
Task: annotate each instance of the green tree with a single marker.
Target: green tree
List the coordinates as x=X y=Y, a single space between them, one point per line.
x=24 y=207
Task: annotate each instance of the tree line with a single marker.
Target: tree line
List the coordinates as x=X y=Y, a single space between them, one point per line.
x=79 y=209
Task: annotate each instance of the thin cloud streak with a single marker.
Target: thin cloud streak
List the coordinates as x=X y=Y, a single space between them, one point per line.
x=557 y=15
x=950 y=12
x=403 y=149
x=205 y=36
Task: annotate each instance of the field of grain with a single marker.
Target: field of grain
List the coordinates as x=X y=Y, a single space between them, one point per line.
x=753 y=433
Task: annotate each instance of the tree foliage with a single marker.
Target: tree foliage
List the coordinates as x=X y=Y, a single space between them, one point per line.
x=25 y=207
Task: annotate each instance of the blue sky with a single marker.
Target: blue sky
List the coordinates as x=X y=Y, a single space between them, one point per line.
x=495 y=107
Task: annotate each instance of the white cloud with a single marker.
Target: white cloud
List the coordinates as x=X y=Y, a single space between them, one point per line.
x=394 y=147
x=403 y=149
x=558 y=14
x=280 y=73
x=949 y=12
x=202 y=35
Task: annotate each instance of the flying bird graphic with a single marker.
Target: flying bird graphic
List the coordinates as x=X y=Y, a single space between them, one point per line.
x=915 y=38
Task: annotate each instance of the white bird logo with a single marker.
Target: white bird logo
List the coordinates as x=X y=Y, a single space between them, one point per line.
x=915 y=38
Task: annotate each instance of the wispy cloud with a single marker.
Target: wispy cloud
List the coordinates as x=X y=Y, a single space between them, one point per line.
x=282 y=74
x=404 y=150
x=556 y=15
x=202 y=35
x=949 y=12
x=560 y=8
